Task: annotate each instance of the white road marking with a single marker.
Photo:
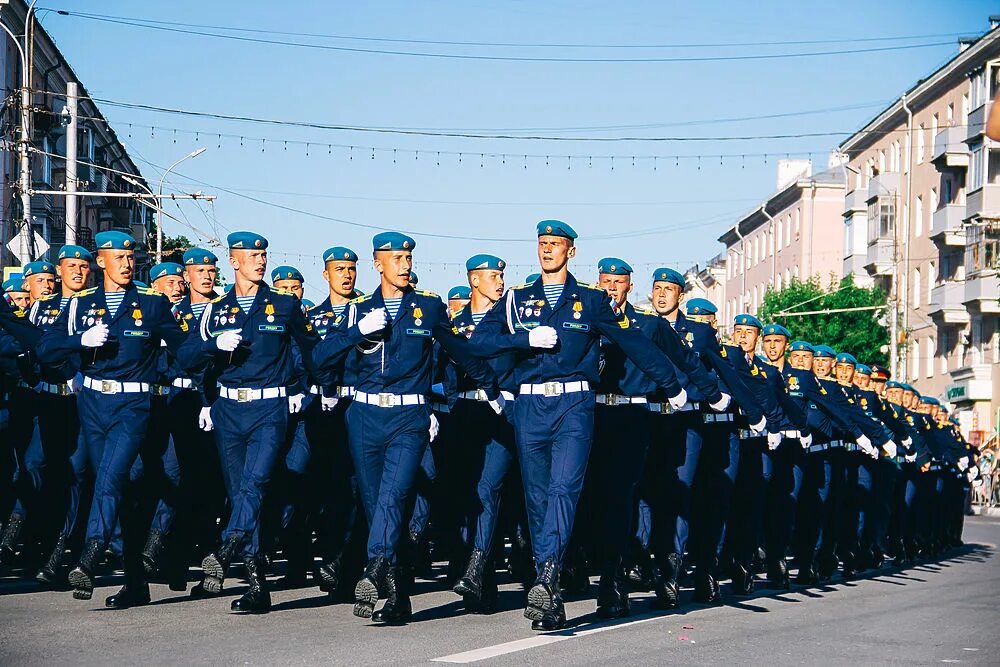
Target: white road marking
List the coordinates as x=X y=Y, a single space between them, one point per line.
x=543 y=640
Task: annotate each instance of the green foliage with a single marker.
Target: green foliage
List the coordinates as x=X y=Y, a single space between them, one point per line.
x=857 y=332
x=174 y=247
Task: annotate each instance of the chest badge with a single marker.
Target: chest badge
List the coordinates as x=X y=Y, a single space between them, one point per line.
x=269 y=311
x=417 y=315
x=137 y=316
x=577 y=309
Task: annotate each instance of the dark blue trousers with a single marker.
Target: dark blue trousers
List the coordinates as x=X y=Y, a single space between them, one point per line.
x=744 y=530
x=786 y=471
x=16 y=484
x=554 y=435
x=387 y=445
x=671 y=466
x=59 y=431
x=714 y=483
x=249 y=437
x=833 y=511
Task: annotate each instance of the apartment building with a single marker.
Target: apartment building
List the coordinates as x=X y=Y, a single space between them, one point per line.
x=922 y=219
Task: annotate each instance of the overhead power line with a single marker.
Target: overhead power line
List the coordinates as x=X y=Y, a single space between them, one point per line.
x=493 y=57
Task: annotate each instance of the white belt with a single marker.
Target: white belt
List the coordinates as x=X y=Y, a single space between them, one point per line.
x=618 y=399
x=183 y=383
x=666 y=409
x=747 y=434
x=115 y=387
x=437 y=406
x=245 y=395
x=389 y=400
x=834 y=444
x=711 y=418
x=791 y=434
x=60 y=389
x=339 y=392
x=555 y=388
x=480 y=395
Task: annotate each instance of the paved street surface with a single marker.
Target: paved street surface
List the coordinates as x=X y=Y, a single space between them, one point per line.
x=945 y=612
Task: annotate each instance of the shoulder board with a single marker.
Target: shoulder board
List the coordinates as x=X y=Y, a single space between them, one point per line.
x=86 y=292
x=148 y=291
x=218 y=298
x=645 y=311
x=426 y=293
x=522 y=286
x=283 y=292
x=48 y=297
x=359 y=299
x=590 y=286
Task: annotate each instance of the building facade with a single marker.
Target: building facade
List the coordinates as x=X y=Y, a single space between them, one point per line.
x=922 y=219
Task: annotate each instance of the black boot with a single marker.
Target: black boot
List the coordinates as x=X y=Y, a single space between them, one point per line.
x=8 y=540
x=151 y=553
x=370 y=587
x=640 y=578
x=777 y=574
x=470 y=584
x=133 y=594
x=488 y=598
x=329 y=576
x=81 y=577
x=849 y=565
x=742 y=579
x=706 y=586
x=612 y=599
x=544 y=593
x=807 y=575
x=50 y=573
x=215 y=565
x=257 y=599
x=396 y=609
x=665 y=582
x=826 y=567
x=553 y=619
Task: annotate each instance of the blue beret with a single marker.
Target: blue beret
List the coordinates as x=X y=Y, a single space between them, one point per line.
x=413 y=277
x=339 y=254
x=74 y=252
x=824 y=351
x=892 y=384
x=459 y=292
x=701 y=306
x=665 y=275
x=533 y=278
x=847 y=358
x=13 y=284
x=613 y=266
x=38 y=266
x=307 y=304
x=863 y=369
x=199 y=257
x=246 y=241
x=393 y=241
x=481 y=261
x=777 y=330
x=929 y=400
x=556 y=228
x=747 y=321
x=165 y=269
x=114 y=241
x=802 y=346
x=286 y=273
x=909 y=387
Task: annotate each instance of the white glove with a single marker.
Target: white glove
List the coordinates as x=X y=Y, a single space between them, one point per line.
x=435 y=427
x=498 y=404
x=722 y=404
x=963 y=463
x=910 y=458
x=295 y=403
x=890 y=449
x=972 y=473
x=227 y=341
x=328 y=403
x=95 y=336
x=864 y=443
x=205 y=420
x=373 y=321
x=773 y=441
x=759 y=426
x=907 y=442
x=543 y=337
x=680 y=400
x=806 y=440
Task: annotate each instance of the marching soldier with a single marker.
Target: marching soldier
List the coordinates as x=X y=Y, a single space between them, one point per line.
x=458 y=298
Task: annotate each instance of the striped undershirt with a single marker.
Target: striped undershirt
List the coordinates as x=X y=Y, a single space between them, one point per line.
x=477 y=318
x=338 y=308
x=552 y=293
x=114 y=300
x=392 y=306
x=245 y=302
x=198 y=308
x=63 y=301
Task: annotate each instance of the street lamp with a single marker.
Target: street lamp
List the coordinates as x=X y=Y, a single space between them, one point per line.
x=159 y=205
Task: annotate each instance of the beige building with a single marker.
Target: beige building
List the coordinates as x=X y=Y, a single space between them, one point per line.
x=795 y=233
x=922 y=219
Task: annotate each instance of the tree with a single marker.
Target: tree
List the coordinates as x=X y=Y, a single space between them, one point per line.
x=858 y=332
x=174 y=247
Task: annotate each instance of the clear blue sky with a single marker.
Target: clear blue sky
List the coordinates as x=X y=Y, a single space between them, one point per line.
x=502 y=201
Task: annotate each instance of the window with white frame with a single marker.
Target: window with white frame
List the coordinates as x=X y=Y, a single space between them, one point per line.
x=943 y=350
x=918 y=216
x=916 y=288
x=976 y=166
x=982 y=247
x=915 y=360
x=920 y=144
x=796 y=216
x=881 y=218
x=930 y=347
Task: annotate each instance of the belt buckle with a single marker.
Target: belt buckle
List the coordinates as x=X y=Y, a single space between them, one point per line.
x=65 y=390
x=242 y=395
x=666 y=408
x=552 y=388
x=481 y=395
x=385 y=400
x=108 y=387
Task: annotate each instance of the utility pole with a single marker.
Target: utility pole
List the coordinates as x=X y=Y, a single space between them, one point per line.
x=72 y=136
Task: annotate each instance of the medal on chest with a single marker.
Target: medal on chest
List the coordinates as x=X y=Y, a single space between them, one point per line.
x=577 y=310
x=137 y=315
x=269 y=312
x=417 y=315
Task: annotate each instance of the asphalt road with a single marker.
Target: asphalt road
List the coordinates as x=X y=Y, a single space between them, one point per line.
x=943 y=612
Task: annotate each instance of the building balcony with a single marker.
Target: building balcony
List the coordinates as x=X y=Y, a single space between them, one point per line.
x=879 y=262
x=947 y=225
x=947 y=304
x=976 y=125
x=886 y=183
x=855 y=201
x=982 y=292
x=950 y=151
x=971 y=383
x=983 y=203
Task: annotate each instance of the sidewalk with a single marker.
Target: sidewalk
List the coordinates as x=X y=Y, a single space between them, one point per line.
x=985 y=511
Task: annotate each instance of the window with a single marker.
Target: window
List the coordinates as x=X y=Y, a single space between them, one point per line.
x=920 y=144
x=894 y=156
x=965 y=109
x=918 y=216
x=881 y=161
x=944 y=352
x=976 y=87
x=993 y=167
x=796 y=217
x=930 y=346
x=788 y=230
x=976 y=166
x=778 y=284
x=916 y=288
x=882 y=218
x=934 y=127
x=931 y=278
x=915 y=360
x=795 y=271
x=982 y=247
x=788 y=277
x=950 y=117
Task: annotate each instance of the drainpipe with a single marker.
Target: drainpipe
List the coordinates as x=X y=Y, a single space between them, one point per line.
x=774 y=244
x=906 y=233
x=743 y=266
x=807 y=242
